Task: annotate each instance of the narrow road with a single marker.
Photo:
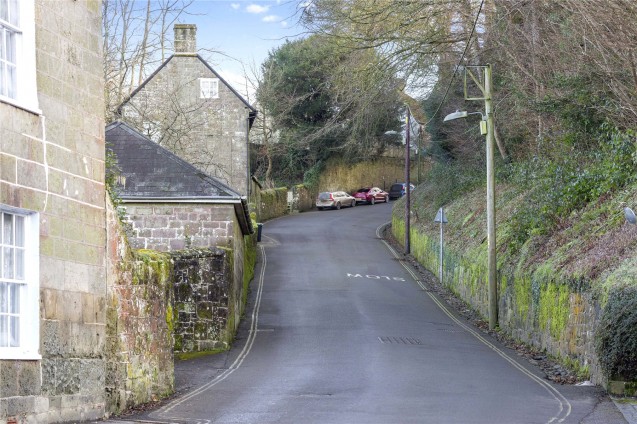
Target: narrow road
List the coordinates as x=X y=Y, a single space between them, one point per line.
x=340 y=331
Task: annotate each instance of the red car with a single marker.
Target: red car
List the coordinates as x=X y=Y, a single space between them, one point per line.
x=370 y=195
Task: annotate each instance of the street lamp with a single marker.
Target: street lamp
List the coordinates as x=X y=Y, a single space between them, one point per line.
x=457 y=114
x=463 y=114
x=486 y=128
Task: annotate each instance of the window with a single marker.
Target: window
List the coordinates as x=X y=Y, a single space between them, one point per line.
x=19 y=280
x=209 y=88
x=17 y=54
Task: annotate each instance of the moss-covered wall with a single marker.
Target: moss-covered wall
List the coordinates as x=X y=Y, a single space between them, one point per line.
x=382 y=173
x=272 y=203
x=205 y=299
x=249 y=262
x=337 y=175
x=139 y=326
x=538 y=303
x=303 y=197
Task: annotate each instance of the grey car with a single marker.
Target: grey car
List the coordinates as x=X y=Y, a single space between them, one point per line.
x=334 y=200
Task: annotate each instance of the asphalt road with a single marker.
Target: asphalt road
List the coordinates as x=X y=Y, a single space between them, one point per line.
x=339 y=330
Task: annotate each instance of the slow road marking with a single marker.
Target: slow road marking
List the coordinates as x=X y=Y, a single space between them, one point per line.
x=375 y=277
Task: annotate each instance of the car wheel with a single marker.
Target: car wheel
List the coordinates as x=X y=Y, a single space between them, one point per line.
x=338 y=206
x=320 y=208
x=373 y=200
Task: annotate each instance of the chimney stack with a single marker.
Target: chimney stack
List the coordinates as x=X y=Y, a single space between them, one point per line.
x=185 y=38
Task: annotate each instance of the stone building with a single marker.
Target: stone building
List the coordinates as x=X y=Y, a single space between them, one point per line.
x=186 y=107
x=52 y=212
x=171 y=206
x=168 y=203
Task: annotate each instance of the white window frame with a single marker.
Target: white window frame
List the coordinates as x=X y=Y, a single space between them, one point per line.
x=25 y=95
x=208 y=88
x=29 y=286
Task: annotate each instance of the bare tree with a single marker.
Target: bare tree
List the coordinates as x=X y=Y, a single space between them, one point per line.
x=135 y=38
x=413 y=36
x=607 y=41
x=263 y=132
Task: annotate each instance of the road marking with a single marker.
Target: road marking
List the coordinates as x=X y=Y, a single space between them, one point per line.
x=375 y=277
x=564 y=404
x=162 y=412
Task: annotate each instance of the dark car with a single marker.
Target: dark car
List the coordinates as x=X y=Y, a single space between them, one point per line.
x=370 y=195
x=398 y=190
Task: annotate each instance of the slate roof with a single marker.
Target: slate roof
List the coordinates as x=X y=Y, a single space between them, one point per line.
x=151 y=171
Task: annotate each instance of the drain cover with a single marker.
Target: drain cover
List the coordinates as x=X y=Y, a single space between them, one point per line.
x=400 y=340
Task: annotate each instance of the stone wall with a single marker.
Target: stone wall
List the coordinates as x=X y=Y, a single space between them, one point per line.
x=303 y=198
x=204 y=299
x=139 y=330
x=272 y=203
x=211 y=287
x=52 y=166
x=167 y=227
x=535 y=309
x=383 y=172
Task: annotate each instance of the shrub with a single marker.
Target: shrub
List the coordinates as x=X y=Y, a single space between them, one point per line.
x=616 y=336
x=567 y=183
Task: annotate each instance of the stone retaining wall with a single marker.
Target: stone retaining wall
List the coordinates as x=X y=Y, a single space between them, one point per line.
x=534 y=309
x=139 y=324
x=204 y=299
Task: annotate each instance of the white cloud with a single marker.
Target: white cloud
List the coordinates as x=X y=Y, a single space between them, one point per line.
x=255 y=8
x=284 y=24
x=271 y=18
x=235 y=6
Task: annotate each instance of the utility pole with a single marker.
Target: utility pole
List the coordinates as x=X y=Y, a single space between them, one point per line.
x=493 y=273
x=487 y=120
x=407 y=190
x=486 y=128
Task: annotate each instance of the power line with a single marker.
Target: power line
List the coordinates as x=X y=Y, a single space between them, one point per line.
x=455 y=70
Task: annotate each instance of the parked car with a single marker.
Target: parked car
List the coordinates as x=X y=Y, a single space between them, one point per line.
x=371 y=195
x=334 y=200
x=398 y=190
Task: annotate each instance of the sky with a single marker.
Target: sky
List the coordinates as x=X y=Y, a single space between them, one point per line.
x=242 y=33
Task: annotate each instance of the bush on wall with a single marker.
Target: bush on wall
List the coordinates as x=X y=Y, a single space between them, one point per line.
x=616 y=341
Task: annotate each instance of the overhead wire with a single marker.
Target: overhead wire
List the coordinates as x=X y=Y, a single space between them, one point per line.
x=455 y=70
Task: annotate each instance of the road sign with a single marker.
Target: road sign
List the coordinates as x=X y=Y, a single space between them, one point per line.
x=440 y=216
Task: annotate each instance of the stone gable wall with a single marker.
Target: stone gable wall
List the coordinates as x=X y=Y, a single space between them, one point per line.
x=211 y=134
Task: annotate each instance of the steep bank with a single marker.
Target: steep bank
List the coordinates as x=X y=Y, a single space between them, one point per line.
x=383 y=172
x=571 y=293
